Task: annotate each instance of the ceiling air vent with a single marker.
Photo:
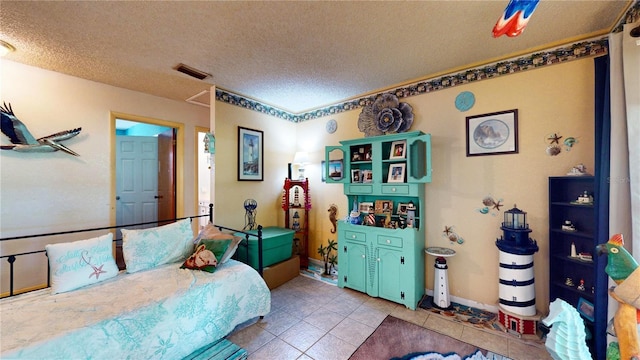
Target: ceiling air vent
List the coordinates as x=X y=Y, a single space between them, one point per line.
x=200 y=75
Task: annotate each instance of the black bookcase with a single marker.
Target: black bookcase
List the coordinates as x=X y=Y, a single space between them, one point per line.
x=563 y=205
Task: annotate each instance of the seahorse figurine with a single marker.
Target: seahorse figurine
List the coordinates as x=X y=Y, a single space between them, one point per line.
x=333 y=216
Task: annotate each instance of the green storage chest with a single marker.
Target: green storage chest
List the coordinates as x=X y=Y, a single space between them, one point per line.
x=277 y=244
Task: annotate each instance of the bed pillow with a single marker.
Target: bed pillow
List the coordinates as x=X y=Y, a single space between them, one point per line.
x=211 y=232
x=147 y=248
x=80 y=263
x=206 y=255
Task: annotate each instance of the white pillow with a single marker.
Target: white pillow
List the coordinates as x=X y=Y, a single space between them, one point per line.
x=148 y=248
x=80 y=263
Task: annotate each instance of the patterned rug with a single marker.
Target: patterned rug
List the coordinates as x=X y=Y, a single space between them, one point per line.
x=477 y=317
x=401 y=340
x=222 y=349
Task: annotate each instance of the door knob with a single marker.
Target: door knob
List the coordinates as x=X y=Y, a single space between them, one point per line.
x=117 y=197
x=158 y=197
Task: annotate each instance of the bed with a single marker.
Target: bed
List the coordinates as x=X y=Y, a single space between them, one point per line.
x=156 y=308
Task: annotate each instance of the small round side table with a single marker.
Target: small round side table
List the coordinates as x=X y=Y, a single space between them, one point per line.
x=440 y=282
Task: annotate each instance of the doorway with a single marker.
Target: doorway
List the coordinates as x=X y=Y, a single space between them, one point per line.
x=146 y=165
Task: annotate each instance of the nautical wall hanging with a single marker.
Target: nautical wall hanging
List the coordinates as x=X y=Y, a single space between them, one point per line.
x=386 y=115
x=515 y=18
x=22 y=139
x=452 y=235
x=490 y=204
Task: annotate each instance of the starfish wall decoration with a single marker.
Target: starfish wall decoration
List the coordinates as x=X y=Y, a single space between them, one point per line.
x=450 y=234
x=490 y=204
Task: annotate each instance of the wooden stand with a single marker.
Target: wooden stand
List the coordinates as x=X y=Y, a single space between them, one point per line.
x=296 y=203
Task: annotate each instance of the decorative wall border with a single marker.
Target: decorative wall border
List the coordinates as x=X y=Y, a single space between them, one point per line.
x=578 y=50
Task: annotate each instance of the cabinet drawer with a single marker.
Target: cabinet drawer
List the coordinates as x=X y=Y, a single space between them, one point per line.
x=390 y=241
x=354 y=236
x=395 y=189
x=360 y=188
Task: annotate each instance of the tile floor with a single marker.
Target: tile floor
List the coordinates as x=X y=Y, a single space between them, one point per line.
x=310 y=319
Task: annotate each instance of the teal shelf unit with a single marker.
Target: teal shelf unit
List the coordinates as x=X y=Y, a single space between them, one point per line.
x=379 y=261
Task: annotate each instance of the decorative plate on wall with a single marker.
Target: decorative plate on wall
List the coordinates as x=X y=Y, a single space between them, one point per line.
x=465 y=100
x=332 y=126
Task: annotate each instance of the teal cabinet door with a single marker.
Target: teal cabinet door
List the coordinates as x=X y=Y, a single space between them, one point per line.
x=354 y=276
x=390 y=275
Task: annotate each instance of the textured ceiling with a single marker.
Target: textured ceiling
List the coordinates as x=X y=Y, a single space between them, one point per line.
x=293 y=55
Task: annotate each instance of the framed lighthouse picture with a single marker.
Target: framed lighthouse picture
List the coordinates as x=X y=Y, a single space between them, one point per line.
x=250 y=154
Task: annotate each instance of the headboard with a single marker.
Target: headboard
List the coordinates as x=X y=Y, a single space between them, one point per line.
x=12 y=259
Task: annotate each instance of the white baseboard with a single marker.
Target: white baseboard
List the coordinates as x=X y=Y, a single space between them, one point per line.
x=491 y=308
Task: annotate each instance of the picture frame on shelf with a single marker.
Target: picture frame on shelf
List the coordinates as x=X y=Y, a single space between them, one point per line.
x=335 y=169
x=402 y=209
x=383 y=207
x=493 y=133
x=411 y=218
x=366 y=207
x=367 y=176
x=585 y=308
x=356 y=176
x=250 y=154
x=396 y=173
x=398 y=149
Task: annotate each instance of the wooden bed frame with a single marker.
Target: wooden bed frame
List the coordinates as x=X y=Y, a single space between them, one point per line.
x=12 y=258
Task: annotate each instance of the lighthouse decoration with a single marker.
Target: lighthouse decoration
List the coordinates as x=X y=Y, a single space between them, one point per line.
x=517 y=310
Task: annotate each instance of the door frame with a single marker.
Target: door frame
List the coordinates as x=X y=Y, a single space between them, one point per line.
x=179 y=157
x=196 y=192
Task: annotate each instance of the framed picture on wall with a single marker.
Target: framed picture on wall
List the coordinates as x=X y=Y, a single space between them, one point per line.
x=493 y=134
x=250 y=154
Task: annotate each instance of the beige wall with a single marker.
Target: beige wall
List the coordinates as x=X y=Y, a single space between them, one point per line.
x=552 y=99
x=65 y=192
x=279 y=147
x=45 y=192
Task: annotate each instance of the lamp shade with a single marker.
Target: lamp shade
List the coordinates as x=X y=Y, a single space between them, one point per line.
x=301 y=158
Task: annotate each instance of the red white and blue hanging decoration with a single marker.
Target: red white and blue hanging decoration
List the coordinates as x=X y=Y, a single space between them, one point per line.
x=515 y=18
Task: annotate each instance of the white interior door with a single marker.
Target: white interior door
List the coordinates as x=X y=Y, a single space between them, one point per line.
x=136 y=179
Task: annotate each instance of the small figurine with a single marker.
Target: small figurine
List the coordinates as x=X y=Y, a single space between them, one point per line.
x=387 y=220
x=585 y=198
x=568 y=226
x=578 y=170
x=585 y=256
x=574 y=254
x=296 y=221
x=354 y=217
x=569 y=282
x=370 y=220
x=581 y=286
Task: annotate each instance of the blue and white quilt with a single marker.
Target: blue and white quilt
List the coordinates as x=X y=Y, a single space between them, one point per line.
x=162 y=313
